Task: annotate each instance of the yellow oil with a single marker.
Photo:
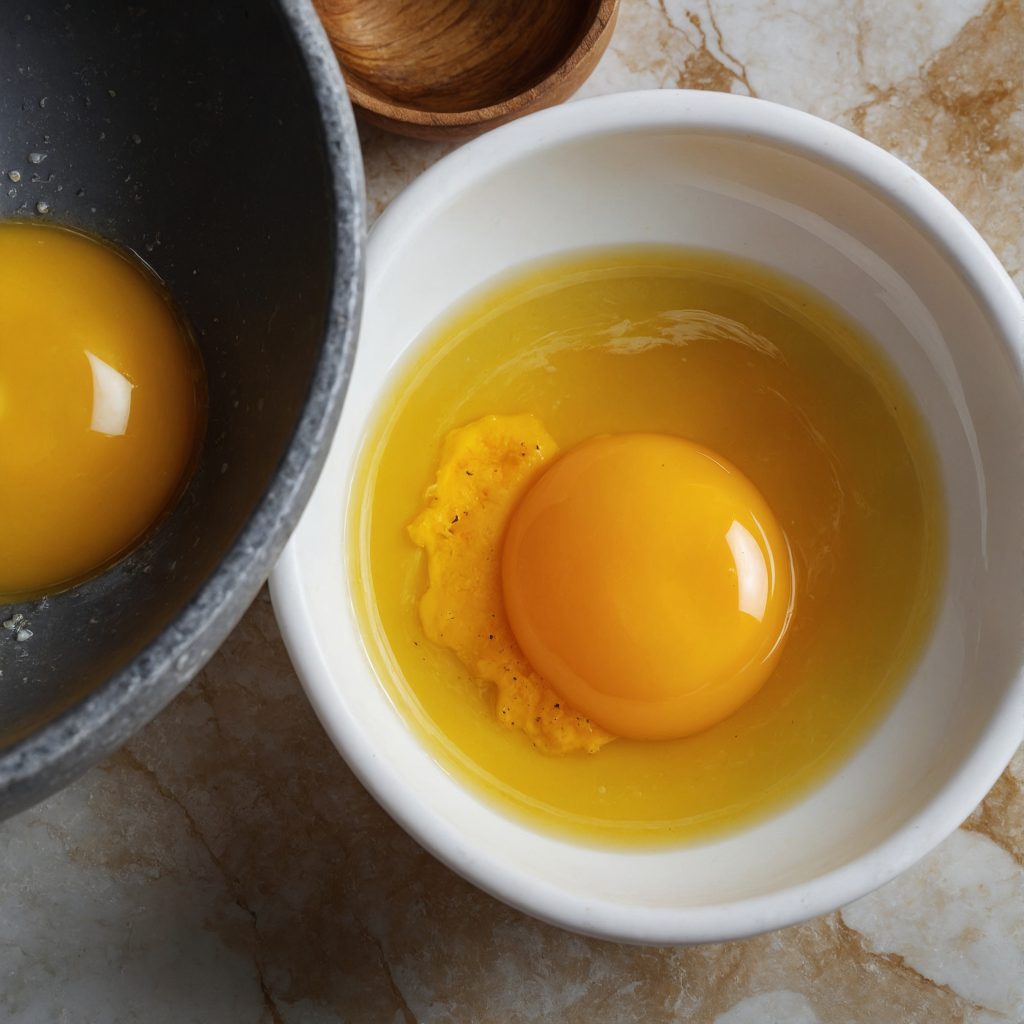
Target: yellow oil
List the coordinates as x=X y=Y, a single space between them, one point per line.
x=102 y=404
x=734 y=357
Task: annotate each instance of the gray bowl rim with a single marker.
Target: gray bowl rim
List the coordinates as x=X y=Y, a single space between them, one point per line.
x=61 y=750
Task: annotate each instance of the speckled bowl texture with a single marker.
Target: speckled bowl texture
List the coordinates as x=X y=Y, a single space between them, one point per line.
x=219 y=146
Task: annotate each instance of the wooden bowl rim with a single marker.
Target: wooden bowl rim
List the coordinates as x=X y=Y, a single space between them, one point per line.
x=602 y=19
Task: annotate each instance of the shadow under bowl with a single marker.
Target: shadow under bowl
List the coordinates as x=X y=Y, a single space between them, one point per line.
x=218 y=145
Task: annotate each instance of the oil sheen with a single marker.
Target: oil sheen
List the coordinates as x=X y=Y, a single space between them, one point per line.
x=101 y=407
x=729 y=356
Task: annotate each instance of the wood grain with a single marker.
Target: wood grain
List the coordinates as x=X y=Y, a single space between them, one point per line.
x=453 y=68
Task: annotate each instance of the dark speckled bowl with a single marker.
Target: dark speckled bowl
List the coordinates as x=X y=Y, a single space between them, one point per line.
x=216 y=141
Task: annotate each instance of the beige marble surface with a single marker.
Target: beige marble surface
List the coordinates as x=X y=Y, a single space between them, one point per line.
x=226 y=866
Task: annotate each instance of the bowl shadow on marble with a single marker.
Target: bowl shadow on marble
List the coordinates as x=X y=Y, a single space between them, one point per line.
x=240 y=183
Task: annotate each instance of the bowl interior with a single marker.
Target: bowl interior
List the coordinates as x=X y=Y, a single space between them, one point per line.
x=215 y=172
x=444 y=56
x=705 y=171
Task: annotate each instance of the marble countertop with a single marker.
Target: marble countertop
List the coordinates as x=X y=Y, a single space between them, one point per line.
x=226 y=866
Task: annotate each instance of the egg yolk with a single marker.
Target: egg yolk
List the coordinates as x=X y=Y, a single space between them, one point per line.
x=646 y=579
x=100 y=407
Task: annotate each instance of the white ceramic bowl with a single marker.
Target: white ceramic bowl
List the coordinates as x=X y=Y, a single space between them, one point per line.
x=788 y=190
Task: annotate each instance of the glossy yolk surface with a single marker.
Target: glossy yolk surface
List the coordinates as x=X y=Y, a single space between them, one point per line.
x=646 y=579
x=100 y=407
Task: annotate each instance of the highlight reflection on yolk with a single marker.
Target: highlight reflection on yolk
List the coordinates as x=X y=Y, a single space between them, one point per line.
x=646 y=579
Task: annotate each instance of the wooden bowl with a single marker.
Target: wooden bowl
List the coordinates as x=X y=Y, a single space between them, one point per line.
x=454 y=68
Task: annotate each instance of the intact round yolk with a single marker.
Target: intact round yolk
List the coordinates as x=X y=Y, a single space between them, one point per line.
x=101 y=408
x=646 y=579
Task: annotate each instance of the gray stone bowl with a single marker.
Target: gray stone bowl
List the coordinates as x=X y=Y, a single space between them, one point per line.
x=216 y=141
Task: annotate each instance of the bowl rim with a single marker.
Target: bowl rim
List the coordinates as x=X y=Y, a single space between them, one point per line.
x=602 y=23
x=959 y=243
x=52 y=756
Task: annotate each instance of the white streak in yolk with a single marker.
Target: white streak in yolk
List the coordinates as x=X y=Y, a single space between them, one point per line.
x=111 y=398
x=751 y=570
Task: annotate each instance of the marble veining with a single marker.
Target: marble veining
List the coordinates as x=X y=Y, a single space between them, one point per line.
x=226 y=866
